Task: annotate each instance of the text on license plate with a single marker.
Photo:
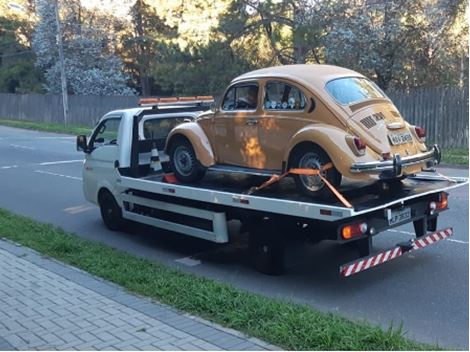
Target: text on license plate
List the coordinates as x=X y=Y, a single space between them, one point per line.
x=400 y=138
x=400 y=215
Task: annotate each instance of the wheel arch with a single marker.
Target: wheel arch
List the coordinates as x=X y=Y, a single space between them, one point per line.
x=328 y=138
x=195 y=135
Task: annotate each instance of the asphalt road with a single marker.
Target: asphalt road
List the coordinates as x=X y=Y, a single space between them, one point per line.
x=426 y=291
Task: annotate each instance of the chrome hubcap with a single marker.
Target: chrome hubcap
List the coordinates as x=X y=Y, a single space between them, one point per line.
x=183 y=160
x=311 y=161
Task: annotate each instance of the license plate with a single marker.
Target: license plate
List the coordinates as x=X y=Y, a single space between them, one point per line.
x=400 y=138
x=400 y=215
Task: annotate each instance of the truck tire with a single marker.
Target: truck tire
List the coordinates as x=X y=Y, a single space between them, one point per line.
x=111 y=212
x=267 y=248
x=184 y=162
x=313 y=157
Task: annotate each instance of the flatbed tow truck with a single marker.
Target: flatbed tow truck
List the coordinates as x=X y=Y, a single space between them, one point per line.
x=118 y=177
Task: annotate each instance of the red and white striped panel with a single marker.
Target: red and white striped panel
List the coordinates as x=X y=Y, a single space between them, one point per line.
x=390 y=254
x=432 y=238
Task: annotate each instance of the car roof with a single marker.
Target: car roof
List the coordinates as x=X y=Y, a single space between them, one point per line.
x=309 y=74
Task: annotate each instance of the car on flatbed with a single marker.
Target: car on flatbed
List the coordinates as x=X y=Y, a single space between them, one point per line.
x=118 y=177
x=319 y=117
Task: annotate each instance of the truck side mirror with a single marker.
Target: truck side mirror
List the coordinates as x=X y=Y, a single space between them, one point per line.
x=82 y=144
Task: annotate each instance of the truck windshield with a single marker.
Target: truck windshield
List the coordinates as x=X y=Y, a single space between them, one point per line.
x=351 y=90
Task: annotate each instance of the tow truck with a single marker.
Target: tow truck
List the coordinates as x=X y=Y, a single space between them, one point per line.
x=119 y=175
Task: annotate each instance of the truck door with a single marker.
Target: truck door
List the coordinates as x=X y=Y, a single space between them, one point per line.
x=99 y=169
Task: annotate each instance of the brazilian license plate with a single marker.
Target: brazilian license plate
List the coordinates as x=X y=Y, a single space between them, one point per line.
x=398 y=216
x=400 y=138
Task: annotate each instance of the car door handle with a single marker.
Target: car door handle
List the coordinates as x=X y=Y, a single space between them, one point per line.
x=252 y=122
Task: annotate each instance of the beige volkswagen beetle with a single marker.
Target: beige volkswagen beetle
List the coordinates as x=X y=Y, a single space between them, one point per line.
x=301 y=116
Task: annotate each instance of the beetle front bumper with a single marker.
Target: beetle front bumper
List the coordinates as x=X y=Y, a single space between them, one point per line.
x=393 y=167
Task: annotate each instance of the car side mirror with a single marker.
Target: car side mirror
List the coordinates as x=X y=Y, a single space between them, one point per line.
x=82 y=145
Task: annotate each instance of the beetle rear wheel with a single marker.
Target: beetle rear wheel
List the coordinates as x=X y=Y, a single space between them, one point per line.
x=313 y=157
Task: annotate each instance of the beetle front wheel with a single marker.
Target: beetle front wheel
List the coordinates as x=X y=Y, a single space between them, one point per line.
x=184 y=162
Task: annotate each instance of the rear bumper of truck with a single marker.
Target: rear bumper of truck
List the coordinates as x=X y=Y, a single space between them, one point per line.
x=393 y=167
x=376 y=259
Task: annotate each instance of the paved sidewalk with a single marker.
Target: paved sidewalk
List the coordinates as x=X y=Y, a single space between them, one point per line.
x=47 y=305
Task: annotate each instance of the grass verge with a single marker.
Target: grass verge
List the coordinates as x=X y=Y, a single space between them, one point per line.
x=288 y=325
x=455 y=156
x=451 y=156
x=47 y=126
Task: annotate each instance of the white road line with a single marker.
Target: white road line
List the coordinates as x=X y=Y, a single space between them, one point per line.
x=21 y=146
x=412 y=234
x=9 y=167
x=60 y=175
x=60 y=162
x=78 y=209
x=55 y=137
x=188 y=261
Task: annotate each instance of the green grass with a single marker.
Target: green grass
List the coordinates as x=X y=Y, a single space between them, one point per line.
x=47 y=126
x=288 y=325
x=455 y=156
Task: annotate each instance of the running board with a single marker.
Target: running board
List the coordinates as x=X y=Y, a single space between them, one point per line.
x=365 y=263
x=217 y=232
x=243 y=170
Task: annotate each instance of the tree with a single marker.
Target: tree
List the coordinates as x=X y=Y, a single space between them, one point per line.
x=91 y=65
x=17 y=71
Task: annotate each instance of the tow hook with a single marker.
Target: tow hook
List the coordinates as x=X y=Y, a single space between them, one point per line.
x=406 y=246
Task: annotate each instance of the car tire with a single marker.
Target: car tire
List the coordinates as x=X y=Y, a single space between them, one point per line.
x=314 y=157
x=184 y=163
x=111 y=212
x=266 y=245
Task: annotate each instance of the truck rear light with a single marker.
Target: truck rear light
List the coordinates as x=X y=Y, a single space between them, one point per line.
x=443 y=201
x=421 y=133
x=354 y=230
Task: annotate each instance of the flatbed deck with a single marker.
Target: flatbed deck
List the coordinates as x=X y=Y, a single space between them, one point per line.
x=283 y=198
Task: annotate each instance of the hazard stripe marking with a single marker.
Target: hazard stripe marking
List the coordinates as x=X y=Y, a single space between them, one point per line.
x=380 y=258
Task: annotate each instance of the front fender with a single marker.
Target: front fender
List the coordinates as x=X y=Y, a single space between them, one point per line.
x=333 y=141
x=198 y=139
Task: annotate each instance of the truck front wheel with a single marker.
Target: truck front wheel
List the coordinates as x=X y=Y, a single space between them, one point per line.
x=267 y=247
x=111 y=212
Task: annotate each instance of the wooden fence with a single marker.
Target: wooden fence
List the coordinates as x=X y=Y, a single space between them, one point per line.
x=442 y=111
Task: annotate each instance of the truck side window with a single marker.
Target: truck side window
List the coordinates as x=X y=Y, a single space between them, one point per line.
x=106 y=133
x=281 y=96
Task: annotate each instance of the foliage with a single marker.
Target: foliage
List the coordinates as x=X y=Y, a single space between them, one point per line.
x=91 y=65
x=17 y=71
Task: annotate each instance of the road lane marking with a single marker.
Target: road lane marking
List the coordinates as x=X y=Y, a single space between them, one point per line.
x=78 y=209
x=9 y=167
x=412 y=234
x=60 y=175
x=188 y=261
x=22 y=147
x=55 y=137
x=60 y=162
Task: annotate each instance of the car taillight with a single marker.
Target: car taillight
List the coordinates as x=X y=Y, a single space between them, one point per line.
x=354 y=230
x=359 y=143
x=421 y=133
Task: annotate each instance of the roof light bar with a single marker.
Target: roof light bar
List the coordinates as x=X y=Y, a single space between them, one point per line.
x=176 y=101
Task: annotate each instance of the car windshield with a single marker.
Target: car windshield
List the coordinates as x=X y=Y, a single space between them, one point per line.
x=351 y=90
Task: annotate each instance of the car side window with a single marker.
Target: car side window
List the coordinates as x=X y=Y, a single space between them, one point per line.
x=282 y=96
x=106 y=133
x=159 y=128
x=241 y=97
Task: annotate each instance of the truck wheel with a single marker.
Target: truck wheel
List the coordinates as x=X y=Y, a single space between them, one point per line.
x=111 y=212
x=184 y=163
x=267 y=248
x=313 y=157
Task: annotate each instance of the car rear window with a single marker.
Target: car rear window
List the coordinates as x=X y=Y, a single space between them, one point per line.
x=351 y=90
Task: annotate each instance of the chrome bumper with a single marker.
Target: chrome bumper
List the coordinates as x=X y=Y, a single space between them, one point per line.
x=393 y=167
